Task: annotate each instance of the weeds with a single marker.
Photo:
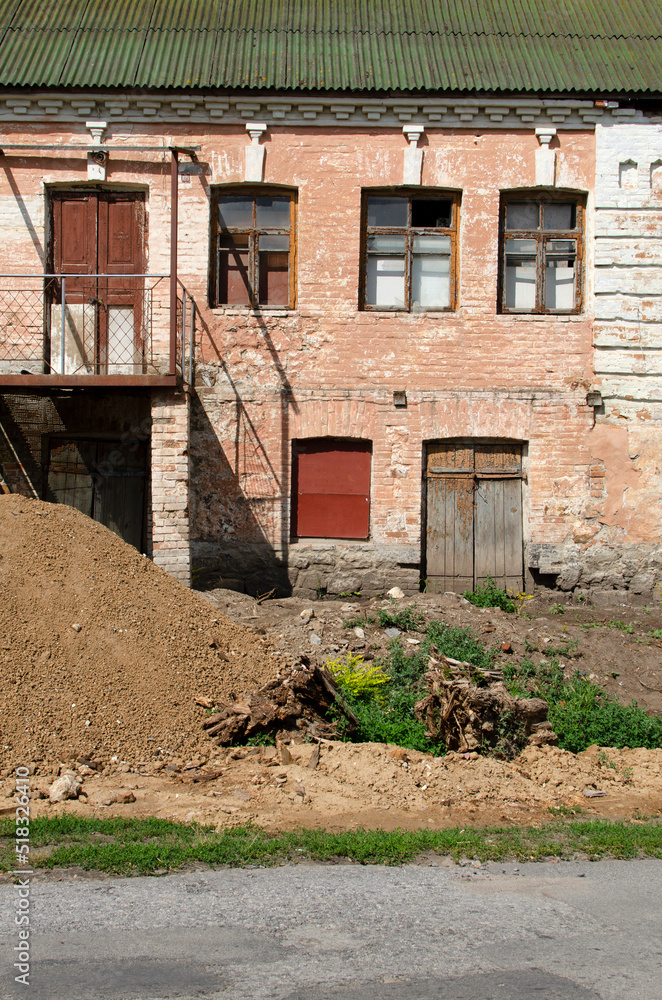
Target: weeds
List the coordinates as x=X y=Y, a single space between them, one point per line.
x=511 y=736
x=605 y=760
x=357 y=677
x=580 y=712
x=406 y=619
x=488 y=595
x=383 y=696
x=557 y=609
x=357 y=622
x=621 y=626
x=260 y=740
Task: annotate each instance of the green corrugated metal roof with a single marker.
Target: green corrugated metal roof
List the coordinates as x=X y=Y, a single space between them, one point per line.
x=571 y=46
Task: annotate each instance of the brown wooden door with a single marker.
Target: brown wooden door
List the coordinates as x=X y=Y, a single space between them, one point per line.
x=473 y=515
x=100 y=233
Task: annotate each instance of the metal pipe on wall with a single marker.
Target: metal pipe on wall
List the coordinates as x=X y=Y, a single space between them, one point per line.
x=174 y=171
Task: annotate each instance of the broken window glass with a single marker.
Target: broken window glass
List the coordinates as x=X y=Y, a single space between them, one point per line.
x=409 y=250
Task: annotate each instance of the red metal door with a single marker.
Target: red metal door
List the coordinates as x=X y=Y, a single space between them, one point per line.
x=331 y=489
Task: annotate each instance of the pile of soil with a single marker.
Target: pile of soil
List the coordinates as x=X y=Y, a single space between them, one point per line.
x=102 y=654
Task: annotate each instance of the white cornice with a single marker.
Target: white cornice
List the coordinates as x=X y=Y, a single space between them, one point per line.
x=439 y=112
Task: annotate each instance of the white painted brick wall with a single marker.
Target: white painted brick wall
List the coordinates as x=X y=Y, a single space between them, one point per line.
x=170 y=484
x=628 y=265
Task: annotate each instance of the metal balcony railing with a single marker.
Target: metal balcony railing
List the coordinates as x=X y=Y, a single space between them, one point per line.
x=93 y=325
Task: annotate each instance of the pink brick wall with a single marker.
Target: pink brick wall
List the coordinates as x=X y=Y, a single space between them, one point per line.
x=325 y=368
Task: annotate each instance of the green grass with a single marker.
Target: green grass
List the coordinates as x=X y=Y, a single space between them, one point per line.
x=154 y=846
x=581 y=713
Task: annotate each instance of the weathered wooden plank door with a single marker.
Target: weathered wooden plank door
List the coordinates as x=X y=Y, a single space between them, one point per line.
x=450 y=532
x=103 y=479
x=98 y=232
x=473 y=515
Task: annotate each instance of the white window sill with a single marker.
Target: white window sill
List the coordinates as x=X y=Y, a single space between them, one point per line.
x=246 y=311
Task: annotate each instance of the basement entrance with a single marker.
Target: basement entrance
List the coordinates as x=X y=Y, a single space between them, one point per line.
x=103 y=479
x=473 y=515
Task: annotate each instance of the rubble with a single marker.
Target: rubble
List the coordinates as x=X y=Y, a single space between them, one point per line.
x=67 y=786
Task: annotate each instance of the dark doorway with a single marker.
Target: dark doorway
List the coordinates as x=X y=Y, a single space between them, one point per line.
x=103 y=479
x=473 y=514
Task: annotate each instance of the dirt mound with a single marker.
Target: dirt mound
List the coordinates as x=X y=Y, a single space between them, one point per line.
x=344 y=785
x=101 y=652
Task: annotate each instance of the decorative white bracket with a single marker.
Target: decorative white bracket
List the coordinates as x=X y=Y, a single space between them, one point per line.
x=96 y=162
x=97 y=129
x=545 y=157
x=254 y=169
x=413 y=165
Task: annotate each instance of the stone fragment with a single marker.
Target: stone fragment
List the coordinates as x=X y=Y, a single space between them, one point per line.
x=67 y=786
x=395 y=593
x=315 y=640
x=359 y=633
x=123 y=798
x=76 y=627
x=594 y=793
x=392 y=632
x=306 y=615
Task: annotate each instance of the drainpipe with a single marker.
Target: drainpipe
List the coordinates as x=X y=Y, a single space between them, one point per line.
x=174 y=163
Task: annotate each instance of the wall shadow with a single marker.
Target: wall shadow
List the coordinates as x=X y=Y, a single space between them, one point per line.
x=260 y=565
x=230 y=537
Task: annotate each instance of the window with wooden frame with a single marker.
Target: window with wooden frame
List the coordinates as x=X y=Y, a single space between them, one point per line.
x=331 y=488
x=252 y=248
x=409 y=251
x=542 y=250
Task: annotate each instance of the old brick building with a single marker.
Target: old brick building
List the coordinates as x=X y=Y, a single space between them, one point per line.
x=338 y=297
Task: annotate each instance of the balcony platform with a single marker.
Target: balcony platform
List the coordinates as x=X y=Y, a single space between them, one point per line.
x=36 y=383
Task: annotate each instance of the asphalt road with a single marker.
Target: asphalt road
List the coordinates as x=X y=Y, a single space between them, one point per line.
x=567 y=931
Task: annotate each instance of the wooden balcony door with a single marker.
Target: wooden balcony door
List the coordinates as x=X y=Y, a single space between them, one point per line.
x=98 y=233
x=474 y=515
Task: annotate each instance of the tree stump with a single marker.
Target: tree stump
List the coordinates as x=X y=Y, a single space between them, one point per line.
x=298 y=702
x=470 y=716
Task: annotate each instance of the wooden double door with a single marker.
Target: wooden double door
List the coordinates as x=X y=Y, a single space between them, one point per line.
x=473 y=514
x=98 y=235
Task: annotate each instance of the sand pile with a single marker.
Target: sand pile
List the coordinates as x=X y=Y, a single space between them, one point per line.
x=101 y=653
